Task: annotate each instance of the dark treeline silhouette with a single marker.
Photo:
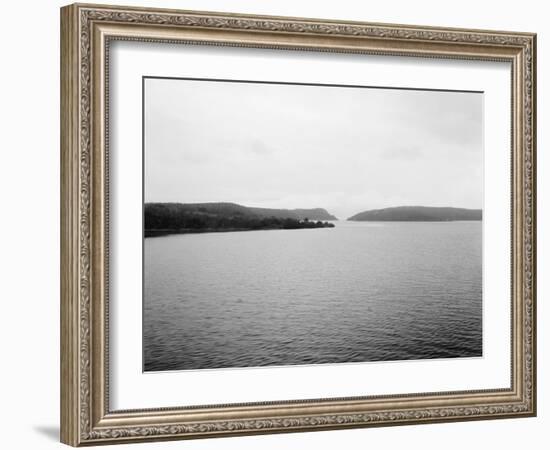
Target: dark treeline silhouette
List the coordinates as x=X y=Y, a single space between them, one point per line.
x=298 y=214
x=168 y=218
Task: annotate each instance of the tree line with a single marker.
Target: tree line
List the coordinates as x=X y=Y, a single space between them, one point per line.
x=159 y=217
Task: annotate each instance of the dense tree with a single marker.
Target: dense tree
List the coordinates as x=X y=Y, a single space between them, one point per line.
x=162 y=218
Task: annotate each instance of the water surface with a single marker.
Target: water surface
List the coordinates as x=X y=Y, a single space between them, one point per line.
x=362 y=291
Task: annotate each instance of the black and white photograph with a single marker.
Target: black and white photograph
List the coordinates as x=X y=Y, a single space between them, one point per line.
x=281 y=219
x=298 y=224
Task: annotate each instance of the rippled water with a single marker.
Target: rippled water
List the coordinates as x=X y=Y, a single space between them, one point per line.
x=358 y=292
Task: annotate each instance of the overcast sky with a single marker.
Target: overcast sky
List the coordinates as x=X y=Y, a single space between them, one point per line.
x=289 y=146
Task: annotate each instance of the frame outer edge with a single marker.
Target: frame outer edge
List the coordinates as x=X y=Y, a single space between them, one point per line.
x=534 y=376
x=81 y=415
x=70 y=314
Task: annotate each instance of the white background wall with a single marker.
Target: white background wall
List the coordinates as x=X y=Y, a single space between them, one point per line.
x=29 y=224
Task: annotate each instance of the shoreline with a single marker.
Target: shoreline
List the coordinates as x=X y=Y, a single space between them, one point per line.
x=166 y=232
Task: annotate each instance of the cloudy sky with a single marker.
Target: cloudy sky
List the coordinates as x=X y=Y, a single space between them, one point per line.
x=346 y=149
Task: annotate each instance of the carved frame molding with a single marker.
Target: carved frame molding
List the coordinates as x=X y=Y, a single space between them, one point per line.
x=86 y=31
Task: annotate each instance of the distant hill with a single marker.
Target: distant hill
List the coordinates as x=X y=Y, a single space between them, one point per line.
x=417 y=214
x=166 y=218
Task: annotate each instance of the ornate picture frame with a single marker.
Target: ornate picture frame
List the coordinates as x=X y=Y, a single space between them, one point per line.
x=87 y=32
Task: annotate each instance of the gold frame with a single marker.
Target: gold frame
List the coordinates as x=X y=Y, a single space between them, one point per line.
x=86 y=31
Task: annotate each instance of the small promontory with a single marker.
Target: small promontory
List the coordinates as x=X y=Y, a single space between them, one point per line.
x=417 y=214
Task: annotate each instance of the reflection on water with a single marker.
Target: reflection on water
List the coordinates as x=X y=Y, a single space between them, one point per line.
x=358 y=292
